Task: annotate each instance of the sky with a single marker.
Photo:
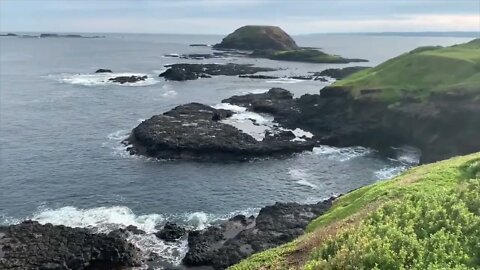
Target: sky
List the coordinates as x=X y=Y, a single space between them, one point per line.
x=223 y=16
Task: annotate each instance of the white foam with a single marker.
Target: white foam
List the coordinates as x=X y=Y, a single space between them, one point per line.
x=406 y=157
x=115 y=142
x=284 y=81
x=254 y=91
x=301 y=134
x=102 y=219
x=228 y=106
x=408 y=154
x=341 y=154
x=102 y=79
x=390 y=172
x=169 y=93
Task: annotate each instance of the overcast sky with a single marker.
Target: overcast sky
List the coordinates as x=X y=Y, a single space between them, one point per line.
x=223 y=16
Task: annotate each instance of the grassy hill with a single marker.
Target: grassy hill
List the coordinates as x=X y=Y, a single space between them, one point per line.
x=418 y=73
x=426 y=218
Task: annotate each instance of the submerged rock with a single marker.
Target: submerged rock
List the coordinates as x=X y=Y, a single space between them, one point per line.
x=229 y=243
x=128 y=79
x=30 y=245
x=195 y=131
x=183 y=72
x=253 y=37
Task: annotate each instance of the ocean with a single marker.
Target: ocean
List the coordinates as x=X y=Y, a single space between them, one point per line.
x=61 y=127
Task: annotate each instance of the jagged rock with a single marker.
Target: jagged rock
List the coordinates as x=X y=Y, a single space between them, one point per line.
x=171 y=232
x=30 y=245
x=236 y=239
x=128 y=79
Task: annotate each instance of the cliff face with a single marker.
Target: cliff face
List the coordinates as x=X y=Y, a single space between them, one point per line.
x=445 y=125
x=256 y=37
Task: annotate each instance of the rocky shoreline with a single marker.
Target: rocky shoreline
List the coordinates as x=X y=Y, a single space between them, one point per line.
x=30 y=245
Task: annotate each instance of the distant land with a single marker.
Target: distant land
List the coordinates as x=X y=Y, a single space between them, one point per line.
x=414 y=34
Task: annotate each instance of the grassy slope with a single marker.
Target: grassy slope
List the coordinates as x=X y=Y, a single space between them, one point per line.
x=356 y=222
x=420 y=72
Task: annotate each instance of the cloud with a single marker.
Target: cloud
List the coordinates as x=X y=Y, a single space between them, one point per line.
x=297 y=25
x=223 y=16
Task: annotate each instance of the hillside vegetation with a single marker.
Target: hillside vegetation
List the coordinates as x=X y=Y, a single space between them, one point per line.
x=419 y=73
x=426 y=218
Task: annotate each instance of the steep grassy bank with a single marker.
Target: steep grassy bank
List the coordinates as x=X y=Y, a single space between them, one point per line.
x=420 y=73
x=426 y=218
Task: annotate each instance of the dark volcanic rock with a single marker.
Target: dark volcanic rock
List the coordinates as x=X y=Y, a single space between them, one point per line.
x=252 y=37
x=128 y=79
x=431 y=125
x=183 y=72
x=339 y=73
x=171 y=232
x=258 y=76
x=240 y=237
x=277 y=101
x=102 y=70
x=193 y=131
x=198 y=45
x=30 y=245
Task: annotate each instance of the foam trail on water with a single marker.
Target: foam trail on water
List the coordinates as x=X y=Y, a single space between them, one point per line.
x=341 y=154
x=301 y=176
x=102 y=79
x=284 y=81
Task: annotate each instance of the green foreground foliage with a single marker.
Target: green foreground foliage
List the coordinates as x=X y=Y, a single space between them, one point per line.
x=426 y=218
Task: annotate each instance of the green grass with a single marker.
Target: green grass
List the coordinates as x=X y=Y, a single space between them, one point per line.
x=420 y=72
x=427 y=217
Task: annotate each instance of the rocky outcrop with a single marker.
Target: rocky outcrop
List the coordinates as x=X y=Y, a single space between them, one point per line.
x=171 y=232
x=339 y=73
x=257 y=37
x=103 y=70
x=196 y=132
x=183 y=72
x=30 y=245
x=128 y=79
x=432 y=124
x=227 y=244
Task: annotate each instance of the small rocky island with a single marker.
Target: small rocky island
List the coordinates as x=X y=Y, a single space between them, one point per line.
x=199 y=132
x=273 y=43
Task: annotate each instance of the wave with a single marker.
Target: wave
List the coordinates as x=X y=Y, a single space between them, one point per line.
x=102 y=79
x=284 y=81
x=341 y=154
x=405 y=158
